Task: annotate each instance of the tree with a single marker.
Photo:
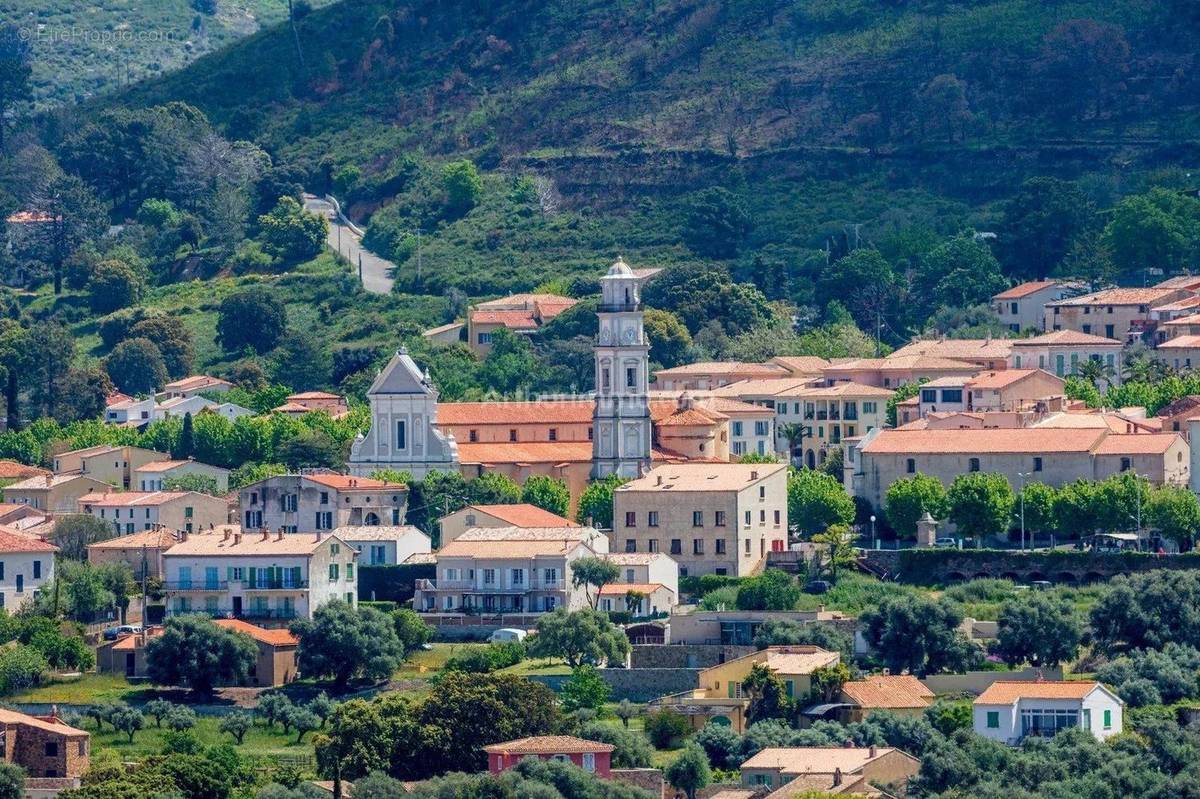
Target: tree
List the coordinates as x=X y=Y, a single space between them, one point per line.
x=817 y=501
x=596 y=502
x=706 y=294
x=585 y=689
x=237 y=724
x=1038 y=630
x=716 y=222
x=1038 y=500
x=547 y=493
x=82 y=394
x=302 y=361
x=776 y=632
x=690 y=771
x=1175 y=512
x=670 y=341
x=292 y=234
x=172 y=338
x=944 y=108
x=72 y=533
x=632 y=748
x=136 y=367
x=768 y=695
x=908 y=498
x=625 y=710
x=593 y=572
x=980 y=504
x=273 y=707
x=158 y=709
x=114 y=285
x=827 y=682
x=74 y=216
x=959 y=272
x=918 y=634
x=876 y=287
x=666 y=728
x=1147 y=611
x=15 y=69
x=1040 y=224
x=12 y=776
x=411 y=630
x=304 y=720
x=323 y=706
x=251 y=318
x=463 y=187
x=194 y=652
x=494 y=488
x=1083 y=62
x=1155 y=230
x=127 y=720
x=343 y=642
x=771 y=590
x=180 y=718
x=579 y=637
x=840 y=542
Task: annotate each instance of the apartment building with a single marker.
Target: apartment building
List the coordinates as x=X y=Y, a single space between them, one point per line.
x=1051 y=455
x=648 y=584
x=141 y=551
x=385 y=545
x=303 y=503
x=825 y=416
x=157 y=475
x=983 y=353
x=1005 y=390
x=707 y=375
x=1118 y=313
x=1022 y=307
x=896 y=370
x=130 y=511
x=258 y=575
x=112 y=465
x=711 y=518
x=26 y=564
x=1061 y=352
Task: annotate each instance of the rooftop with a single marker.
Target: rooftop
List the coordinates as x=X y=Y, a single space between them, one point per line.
x=1025 y=289
x=986 y=441
x=845 y=389
x=524 y=515
x=572 y=532
x=12 y=541
x=49 y=724
x=801 y=364
x=347 y=482
x=1181 y=342
x=166 y=466
x=1119 y=296
x=123 y=499
x=816 y=759
x=12 y=470
x=196 y=382
x=957 y=348
x=1005 y=378
x=507 y=549
x=621 y=589
x=155 y=539
x=888 y=691
x=216 y=542
x=724 y=368
x=633 y=558
x=378 y=532
x=47 y=481
x=1066 y=338
x=277 y=637
x=685 y=477
x=1005 y=693
x=547 y=745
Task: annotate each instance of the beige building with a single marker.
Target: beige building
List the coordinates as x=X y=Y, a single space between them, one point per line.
x=1119 y=313
x=648 y=584
x=1013 y=390
x=984 y=353
x=194 y=386
x=1022 y=307
x=141 y=551
x=56 y=493
x=712 y=518
x=896 y=370
x=156 y=475
x=1181 y=352
x=841 y=770
x=1054 y=456
x=828 y=416
x=1060 y=352
x=112 y=465
x=519 y=515
x=130 y=511
x=710 y=375
x=521 y=314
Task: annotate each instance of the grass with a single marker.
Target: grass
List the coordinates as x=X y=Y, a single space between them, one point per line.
x=259 y=741
x=87 y=689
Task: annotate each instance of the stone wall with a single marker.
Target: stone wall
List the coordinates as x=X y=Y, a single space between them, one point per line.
x=940 y=566
x=684 y=656
x=976 y=682
x=642 y=685
x=648 y=779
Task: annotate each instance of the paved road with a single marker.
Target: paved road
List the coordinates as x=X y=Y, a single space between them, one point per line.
x=376 y=272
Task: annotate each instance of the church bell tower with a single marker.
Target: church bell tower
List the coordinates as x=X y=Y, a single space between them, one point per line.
x=621 y=418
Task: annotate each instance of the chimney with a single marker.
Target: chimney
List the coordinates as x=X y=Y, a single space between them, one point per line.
x=183 y=535
x=659 y=481
x=837 y=777
x=279 y=536
x=873 y=752
x=318 y=536
x=266 y=534
x=849 y=744
x=237 y=538
x=753 y=474
x=227 y=534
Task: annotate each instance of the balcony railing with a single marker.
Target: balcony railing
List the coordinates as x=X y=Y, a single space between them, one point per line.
x=196 y=585
x=244 y=613
x=274 y=585
x=474 y=587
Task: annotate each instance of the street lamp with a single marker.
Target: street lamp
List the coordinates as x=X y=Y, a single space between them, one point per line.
x=873 y=538
x=1023 y=475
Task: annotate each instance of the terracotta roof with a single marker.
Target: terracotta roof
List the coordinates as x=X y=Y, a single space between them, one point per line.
x=497 y=413
x=13 y=541
x=314 y=395
x=690 y=417
x=1066 y=338
x=458 y=548
x=761 y=387
x=250 y=543
x=888 y=691
x=164 y=466
x=11 y=470
x=1024 y=289
x=1181 y=342
x=951 y=381
x=526 y=452
x=1183 y=321
x=524 y=515
x=196 y=382
x=621 y=589
x=280 y=637
x=724 y=368
x=732 y=407
x=514 y=320
x=348 y=482
x=123 y=499
x=801 y=364
x=116 y=397
x=1137 y=443
x=291 y=407
x=1184 y=404
x=1005 y=378
x=957 y=348
x=689 y=477
x=1018 y=440
x=848 y=389
x=30 y=217
x=547 y=745
x=48 y=481
x=795 y=660
x=1119 y=296
x=59 y=727
x=379 y=532
x=160 y=538
x=815 y=759
x=433 y=331
x=1005 y=693
x=1178 y=305
x=1179 y=282
x=514 y=533
x=525 y=301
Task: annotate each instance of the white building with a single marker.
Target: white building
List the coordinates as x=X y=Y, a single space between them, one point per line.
x=648 y=584
x=1023 y=307
x=1009 y=712
x=26 y=564
x=300 y=503
x=130 y=412
x=260 y=576
x=404 y=434
x=621 y=420
x=385 y=545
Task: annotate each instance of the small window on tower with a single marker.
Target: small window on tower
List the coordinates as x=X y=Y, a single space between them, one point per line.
x=631 y=377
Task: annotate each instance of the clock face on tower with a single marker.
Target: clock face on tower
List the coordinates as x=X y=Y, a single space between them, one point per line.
x=630 y=335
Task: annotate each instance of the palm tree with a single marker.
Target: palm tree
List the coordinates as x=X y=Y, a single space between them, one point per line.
x=1093 y=371
x=794 y=434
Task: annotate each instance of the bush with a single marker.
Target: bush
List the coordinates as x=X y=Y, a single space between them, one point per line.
x=632 y=750
x=722 y=745
x=666 y=728
x=21 y=667
x=487 y=659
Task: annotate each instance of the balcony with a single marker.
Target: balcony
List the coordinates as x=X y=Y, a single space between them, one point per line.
x=282 y=614
x=472 y=587
x=196 y=585
x=275 y=585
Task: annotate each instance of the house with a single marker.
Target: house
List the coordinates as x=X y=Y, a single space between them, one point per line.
x=229 y=410
x=648 y=584
x=195 y=385
x=1022 y=307
x=181 y=511
x=302 y=503
x=109 y=464
x=384 y=545
x=896 y=370
x=1174 y=417
x=985 y=353
x=12 y=471
x=131 y=412
x=141 y=551
x=157 y=475
x=1117 y=313
x=1051 y=455
x=1181 y=352
x=839 y=770
x=300 y=404
x=1187 y=325
x=720 y=696
x=404 y=435
x=521 y=514
x=588 y=755
x=263 y=576
x=26 y=564
x=521 y=314
x=824 y=416
x=899 y=694
x=526 y=575
x=57 y=493
x=182 y=406
x=708 y=375
x=1013 y=390
x=711 y=518
x=53 y=754
x=1060 y=352
x=451 y=333
x=1009 y=712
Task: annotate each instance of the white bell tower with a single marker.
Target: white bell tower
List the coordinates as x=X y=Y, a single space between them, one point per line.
x=621 y=419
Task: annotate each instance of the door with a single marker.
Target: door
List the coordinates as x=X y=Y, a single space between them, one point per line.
x=237 y=606
x=130 y=664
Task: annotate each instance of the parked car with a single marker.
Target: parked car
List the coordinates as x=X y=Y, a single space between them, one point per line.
x=113 y=633
x=506 y=634
x=946 y=541
x=817 y=587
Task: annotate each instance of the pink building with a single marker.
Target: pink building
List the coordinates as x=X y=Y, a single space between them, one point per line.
x=588 y=755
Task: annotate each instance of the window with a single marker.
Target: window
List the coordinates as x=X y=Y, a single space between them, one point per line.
x=737 y=428
x=472 y=435
x=777 y=518
x=324 y=520
x=489 y=576
x=512 y=435
x=554 y=434
x=350 y=572
x=401 y=435
x=333 y=572
x=631 y=545
x=334 y=548
x=324 y=497
x=630 y=518
x=720 y=546
x=629 y=575
x=518 y=577
x=697 y=518
x=928 y=395
x=37 y=570
x=910 y=465
x=973 y=464
x=1126 y=464
x=484 y=338
x=1037 y=464
x=676 y=546
x=697 y=546
x=1108 y=719
x=549 y=577
x=868 y=407
x=652 y=545
x=746 y=522
x=51 y=748
x=652 y=518
x=993 y=719
x=589 y=761
x=1087 y=329
x=762 y=492
x=953 y=395
x=288 y=503
x=631 y=377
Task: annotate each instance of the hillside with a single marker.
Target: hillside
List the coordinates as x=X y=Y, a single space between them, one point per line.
x=85 y=49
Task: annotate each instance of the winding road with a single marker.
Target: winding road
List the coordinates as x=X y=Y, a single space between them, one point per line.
x=345 y=239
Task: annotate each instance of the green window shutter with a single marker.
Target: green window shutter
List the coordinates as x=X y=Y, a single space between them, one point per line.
x=993 y=720
x=1108 y=719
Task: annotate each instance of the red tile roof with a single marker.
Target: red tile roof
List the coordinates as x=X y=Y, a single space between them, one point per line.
x=888 y=691
x=1024 y=290
x=12 y=541
x=1066 y=337
x=547 y=745
x=525 y=515
x=514 y=320
x=1005 y=693
x=11 y=470
x=279 y=637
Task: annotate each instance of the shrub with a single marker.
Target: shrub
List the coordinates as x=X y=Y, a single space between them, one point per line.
x=666 y=728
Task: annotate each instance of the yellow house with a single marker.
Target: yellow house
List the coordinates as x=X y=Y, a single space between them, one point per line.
x=720 y=697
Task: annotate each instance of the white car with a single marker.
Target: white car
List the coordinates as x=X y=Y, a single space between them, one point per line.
x=507 y=634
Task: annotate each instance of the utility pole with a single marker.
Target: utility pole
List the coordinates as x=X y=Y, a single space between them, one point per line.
x=360 y=276
x=1023 y=475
